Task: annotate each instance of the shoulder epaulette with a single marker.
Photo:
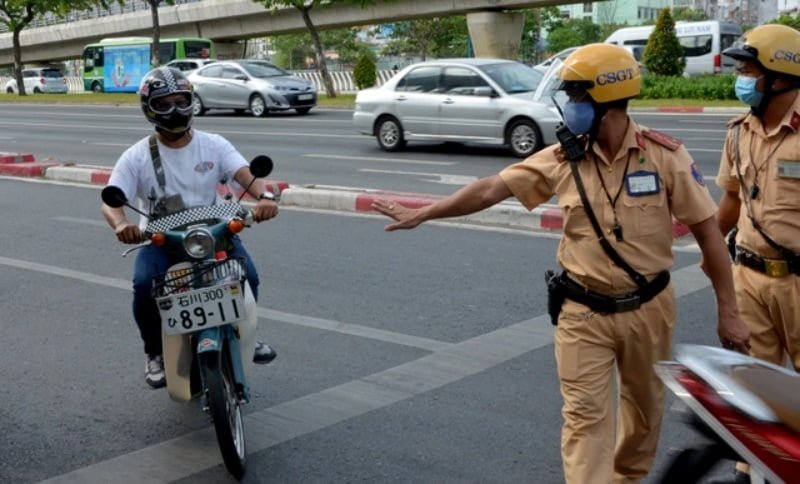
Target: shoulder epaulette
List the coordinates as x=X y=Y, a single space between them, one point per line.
x=737 y=120
x=662 y=139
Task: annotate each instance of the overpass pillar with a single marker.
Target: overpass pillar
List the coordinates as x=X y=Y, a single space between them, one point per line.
x=495 y=34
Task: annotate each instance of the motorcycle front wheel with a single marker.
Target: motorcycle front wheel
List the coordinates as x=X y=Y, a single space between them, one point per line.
x=225 y=409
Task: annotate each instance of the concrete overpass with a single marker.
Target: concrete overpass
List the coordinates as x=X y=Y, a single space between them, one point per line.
x=229 y=21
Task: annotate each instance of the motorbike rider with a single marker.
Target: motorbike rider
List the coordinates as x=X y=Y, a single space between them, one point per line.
x=192 y=163
x=635 y=180
x=760 y=175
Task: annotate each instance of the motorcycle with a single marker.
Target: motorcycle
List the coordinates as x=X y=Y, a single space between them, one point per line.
x=748 y=410
x=208 y=311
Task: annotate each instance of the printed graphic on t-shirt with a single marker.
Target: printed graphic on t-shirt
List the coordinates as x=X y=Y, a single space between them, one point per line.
x=204 y=166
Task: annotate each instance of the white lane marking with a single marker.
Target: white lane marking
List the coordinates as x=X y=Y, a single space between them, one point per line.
x=706 y=150
x=289 y=318
x=281 y=118
x=386 y=160
x=219 y=131
x=84 y=221
x=124 y=145
x=193 y=452
x=443 y=178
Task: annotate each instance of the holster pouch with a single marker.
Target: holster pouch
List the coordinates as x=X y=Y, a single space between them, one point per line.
x=731 y=241
x=555 y=295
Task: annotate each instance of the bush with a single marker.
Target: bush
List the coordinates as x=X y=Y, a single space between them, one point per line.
x=719 y=86
x=364 y=74
x=663 y=54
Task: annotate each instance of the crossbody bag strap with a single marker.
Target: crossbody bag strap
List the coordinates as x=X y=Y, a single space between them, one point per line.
x=159 y=170
x=638 y=278
x=748 y=201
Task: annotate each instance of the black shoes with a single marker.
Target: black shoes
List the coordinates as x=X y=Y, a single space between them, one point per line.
x=263 y=354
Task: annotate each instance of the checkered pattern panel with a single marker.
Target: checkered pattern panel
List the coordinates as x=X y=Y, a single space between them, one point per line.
x=222 y=211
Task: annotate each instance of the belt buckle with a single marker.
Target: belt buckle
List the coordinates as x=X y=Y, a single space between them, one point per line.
x=627 y=303
x=776 y=267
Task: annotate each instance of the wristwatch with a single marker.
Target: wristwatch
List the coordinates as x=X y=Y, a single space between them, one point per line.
x=267 y=195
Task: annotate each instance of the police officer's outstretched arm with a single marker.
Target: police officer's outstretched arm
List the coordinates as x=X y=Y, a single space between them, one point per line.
x=733 y=332
x=472 y=198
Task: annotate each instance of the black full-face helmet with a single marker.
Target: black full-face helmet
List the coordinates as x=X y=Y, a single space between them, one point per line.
x=166 y=98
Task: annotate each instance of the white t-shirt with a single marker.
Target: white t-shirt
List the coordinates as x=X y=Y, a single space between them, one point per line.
x=194 y=171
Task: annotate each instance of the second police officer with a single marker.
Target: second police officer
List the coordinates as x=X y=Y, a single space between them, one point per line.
x=618 y=185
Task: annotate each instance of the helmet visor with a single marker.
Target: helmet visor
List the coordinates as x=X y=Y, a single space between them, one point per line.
x=165 y=105
x=741 y=51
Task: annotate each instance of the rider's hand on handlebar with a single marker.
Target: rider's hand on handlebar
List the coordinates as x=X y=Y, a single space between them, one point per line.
x=128 y=233
x=265 y=210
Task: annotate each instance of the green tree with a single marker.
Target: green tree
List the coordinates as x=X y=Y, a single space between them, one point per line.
x=663 y=54
x=155 y=52
x=305 y=7
x=364 y=73
x=688 y=14
x=291 y=50
x=573 y=32
x=793 y=22
x=16 y=15
x=438 y=37
x=536 y=20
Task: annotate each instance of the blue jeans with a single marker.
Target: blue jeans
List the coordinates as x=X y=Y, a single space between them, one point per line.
x=152 y=261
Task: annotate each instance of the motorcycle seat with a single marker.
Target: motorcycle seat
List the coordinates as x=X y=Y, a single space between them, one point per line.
x=778 y=390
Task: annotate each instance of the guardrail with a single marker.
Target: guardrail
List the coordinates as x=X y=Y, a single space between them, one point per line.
x=342 y=80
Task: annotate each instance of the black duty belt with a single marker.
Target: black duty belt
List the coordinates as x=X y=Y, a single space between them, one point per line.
x=602 y=303
x=770 y=267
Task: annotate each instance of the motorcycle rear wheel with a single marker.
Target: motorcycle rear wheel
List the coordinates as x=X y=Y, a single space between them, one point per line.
x=225 y=410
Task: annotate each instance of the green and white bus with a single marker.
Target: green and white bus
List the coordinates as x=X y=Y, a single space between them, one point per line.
x=118 y=64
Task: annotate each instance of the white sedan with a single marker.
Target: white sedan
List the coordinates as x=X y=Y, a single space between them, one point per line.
x=465 y=100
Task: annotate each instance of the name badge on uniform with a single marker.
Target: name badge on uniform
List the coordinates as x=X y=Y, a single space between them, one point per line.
x=789 y=168
x=642 y=183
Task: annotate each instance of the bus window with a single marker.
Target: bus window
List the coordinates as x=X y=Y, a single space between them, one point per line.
x=166 y=51
x=196 y=49
x=696 y=45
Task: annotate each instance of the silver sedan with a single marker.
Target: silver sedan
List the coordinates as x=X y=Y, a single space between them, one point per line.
x=466 y=100
x=250 y=85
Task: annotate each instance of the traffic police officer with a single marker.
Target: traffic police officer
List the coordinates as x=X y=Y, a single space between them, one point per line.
x=760 y=173
x=634 y=181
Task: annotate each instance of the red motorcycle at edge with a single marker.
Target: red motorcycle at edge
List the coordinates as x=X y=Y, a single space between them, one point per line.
x=748 y=410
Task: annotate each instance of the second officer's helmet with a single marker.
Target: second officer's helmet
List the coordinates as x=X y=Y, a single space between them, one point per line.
x=776 y=47
x=606 y=72
x=172 y=115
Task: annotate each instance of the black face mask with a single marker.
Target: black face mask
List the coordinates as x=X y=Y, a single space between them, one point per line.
x=175 y=122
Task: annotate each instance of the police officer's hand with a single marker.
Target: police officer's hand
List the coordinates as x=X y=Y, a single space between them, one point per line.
x=128 y=233
x=265 y=210
x=407 y=218
x=734 y=333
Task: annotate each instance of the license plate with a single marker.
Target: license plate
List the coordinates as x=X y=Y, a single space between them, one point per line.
x=304 y=97
x=199 y=309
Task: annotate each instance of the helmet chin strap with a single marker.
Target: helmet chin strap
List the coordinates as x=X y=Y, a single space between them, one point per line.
x=171 y=136
x=769 y=93
x=600 y=111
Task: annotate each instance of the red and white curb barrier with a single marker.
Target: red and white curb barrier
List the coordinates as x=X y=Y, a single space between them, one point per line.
x=506 y=214
x=21 y=164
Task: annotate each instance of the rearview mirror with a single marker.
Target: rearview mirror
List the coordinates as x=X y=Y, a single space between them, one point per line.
x=114 y=197
x=261 y=166
x=484 y=92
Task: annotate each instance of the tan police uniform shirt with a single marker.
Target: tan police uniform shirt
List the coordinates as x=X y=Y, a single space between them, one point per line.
x=772 y=160
x=646 y=219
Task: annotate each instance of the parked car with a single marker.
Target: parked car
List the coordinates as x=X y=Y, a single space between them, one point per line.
x=250 y=85
x=188 y=65
x=465 y=100
x=40 y=79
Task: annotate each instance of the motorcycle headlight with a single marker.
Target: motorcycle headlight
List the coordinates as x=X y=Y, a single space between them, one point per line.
x=198 y=243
